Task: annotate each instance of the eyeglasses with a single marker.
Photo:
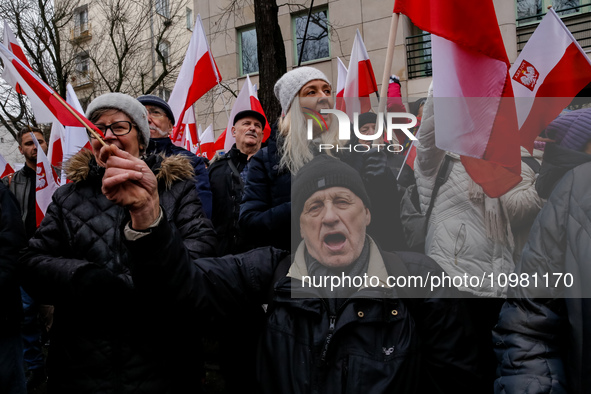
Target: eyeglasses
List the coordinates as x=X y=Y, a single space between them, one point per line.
x=155 y=114
x=117 y=128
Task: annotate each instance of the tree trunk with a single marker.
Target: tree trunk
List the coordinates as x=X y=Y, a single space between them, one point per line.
x=271 y=55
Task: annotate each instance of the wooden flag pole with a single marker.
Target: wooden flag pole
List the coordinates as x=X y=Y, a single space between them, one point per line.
x=388 y=65
x=62 y=102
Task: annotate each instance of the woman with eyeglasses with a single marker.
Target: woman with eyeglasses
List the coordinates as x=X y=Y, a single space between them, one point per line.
x=106 y=337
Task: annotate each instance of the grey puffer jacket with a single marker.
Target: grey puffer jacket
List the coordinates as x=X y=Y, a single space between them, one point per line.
x=456 y=236
x=543 y=334
x=107 y=338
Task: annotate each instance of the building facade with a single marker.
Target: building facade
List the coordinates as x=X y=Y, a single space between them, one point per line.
x=230 y=28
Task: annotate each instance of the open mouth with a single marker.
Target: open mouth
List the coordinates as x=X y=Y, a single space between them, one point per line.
x=335 y=241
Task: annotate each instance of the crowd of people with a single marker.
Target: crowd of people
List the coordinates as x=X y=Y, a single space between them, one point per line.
x=145 y=252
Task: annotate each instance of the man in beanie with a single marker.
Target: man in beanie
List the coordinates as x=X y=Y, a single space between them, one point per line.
x=161 y=121
x=107 y=337
x=363 y=335
x=227 y=175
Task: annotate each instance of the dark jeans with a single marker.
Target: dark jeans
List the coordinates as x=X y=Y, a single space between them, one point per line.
x=31 y=333
x=12 y=374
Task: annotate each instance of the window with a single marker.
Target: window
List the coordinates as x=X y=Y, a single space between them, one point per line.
x=418 y=53
x=81 y=25
x=533 y=10
x=249 y=61
x=317 y=44
x=82 y=63
x=164 y=48
x=163 y=8
x=190 y=19
x=164 y=94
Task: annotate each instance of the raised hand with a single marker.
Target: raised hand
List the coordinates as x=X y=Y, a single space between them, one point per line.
x=129 y=182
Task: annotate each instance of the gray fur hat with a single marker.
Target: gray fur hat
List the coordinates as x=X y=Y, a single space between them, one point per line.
x=291 y=82
x=127 y=104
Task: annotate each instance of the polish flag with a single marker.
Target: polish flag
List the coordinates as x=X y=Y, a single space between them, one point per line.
x=206 y=147
x=55 y=150
x=247 y=99
x=473 y=99
x=342 y=77
x=190 y=143
x=360 y=81
x=66 y=142
x=551 y=70
x=186 y=129
x=5 y=168
x=47 y=105
x=12 y=44
x=199 y=73
x=46 y=184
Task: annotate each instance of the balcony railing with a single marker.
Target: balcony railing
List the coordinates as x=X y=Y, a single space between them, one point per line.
x=578 y=23
x=81 y=32
x=80 y=79
x=418 y=56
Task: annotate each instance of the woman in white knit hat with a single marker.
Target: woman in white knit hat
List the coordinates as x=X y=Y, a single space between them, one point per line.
x=265 y=213
x=266 y=205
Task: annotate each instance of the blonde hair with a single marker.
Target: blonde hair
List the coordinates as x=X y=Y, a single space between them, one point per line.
x=295 y=149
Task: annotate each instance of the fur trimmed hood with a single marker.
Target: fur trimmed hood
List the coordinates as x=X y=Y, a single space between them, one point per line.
x=168 y=169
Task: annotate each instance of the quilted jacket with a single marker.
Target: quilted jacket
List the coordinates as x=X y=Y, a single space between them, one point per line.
x=543 y=334
x=456 y=237
x=106 y=338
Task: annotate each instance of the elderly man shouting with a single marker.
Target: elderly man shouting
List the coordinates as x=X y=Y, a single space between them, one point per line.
x=353 y=338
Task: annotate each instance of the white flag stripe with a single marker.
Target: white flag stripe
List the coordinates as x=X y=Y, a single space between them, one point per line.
x=465 y=110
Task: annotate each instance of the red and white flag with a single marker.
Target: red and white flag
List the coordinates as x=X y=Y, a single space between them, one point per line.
x=191 y=142
x=199 y=73
x=247 y=99
x=206 y=146
x=46 y=184
x=550 y=70
x=186 y=129
x=66 y=142
x=5 y=168
x=46 y=106
x=474 y=108
x=360 y=81
x=12 y=44
x=55 y=150
x=341 y=78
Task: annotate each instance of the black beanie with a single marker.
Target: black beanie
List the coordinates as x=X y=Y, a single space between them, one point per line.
x=367 y=117
x=321 y=173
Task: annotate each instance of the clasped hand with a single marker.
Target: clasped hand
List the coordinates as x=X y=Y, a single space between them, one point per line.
x=129 y=182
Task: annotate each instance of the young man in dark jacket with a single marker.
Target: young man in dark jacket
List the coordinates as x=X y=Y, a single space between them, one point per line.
x=12 y=239
x=361 y=338
x=161 y=121
x=22 y=184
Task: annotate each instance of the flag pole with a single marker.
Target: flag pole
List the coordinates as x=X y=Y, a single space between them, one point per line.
x=388 y=66
x=94 y=133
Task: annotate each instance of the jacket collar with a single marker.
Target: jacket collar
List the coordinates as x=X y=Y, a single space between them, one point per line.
x=376 y=266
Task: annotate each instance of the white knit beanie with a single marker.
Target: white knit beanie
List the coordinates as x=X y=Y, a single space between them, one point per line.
x=291 y=82
x=127 y=104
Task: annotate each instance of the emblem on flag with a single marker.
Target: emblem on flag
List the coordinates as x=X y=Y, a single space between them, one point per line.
x=41 y=177
x=527 y=75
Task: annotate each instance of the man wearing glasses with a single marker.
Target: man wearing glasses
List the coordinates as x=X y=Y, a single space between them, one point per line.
x=161 y=120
